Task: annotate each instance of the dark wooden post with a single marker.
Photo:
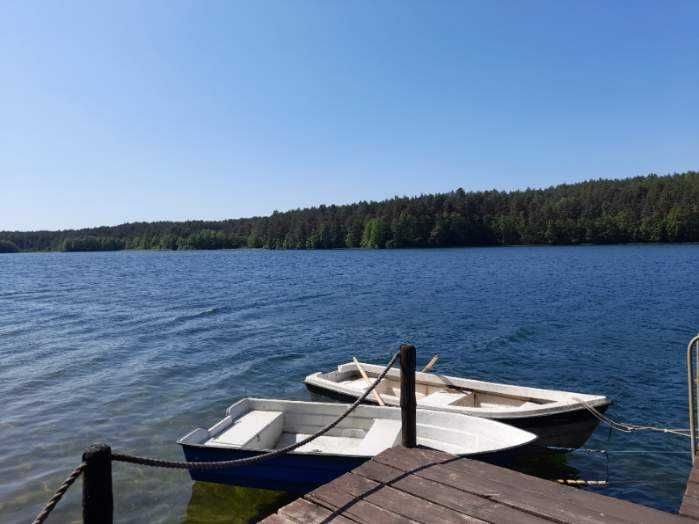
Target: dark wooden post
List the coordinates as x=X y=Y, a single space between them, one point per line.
x=98 y=503
x=408 y=404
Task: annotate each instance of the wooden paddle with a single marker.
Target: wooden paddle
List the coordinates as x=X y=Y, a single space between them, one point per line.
x=368 y=382
x=430 y=364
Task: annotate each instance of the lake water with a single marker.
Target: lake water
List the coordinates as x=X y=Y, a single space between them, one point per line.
x=137 y=348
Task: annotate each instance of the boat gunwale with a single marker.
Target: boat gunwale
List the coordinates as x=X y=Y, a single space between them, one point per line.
x=182 y=441
x=551 y=407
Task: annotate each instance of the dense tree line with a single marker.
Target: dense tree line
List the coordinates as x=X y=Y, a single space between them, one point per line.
x=643 y=209
x=8 y=247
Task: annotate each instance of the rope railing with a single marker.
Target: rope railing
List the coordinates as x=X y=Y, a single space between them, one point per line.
x=58 y=495
x=626 y=427
x=103 y=495
x=96 y=465
x=146 y=461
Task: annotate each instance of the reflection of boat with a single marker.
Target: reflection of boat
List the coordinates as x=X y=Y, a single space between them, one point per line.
x=558 y=418
x=255 y=426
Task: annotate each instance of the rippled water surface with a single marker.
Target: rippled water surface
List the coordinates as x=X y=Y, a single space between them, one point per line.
x=136 y=348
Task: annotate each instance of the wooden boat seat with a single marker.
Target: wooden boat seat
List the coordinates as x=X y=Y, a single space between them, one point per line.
x=500 y=407
x=442 y=399
x=254 y=430
x=358 y=384
x=382 y=434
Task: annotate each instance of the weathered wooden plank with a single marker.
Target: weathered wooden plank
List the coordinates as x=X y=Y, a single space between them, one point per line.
x=379 y=472
x=399 y=457
x=422 y=486
x=611 y=508
x=305 y=511
x=520 y=491
x=337 y=497
x=690 y=508
x=690 y=501
x=363 y=512
x=278 y=519
x=548 y=507
x=396 y=501
x=551 y=508
x=694 y=474
x=447 y=496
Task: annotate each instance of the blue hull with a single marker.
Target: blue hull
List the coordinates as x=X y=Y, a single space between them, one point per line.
x=298 y=473
x=291 y=473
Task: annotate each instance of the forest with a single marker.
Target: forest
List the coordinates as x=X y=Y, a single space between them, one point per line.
x=643 y=209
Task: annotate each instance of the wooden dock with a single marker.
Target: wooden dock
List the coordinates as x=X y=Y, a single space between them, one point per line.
x=419 y=485
x=690 y=501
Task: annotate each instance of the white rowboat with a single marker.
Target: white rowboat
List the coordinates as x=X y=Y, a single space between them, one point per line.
x=255 y=426
x=558 y=418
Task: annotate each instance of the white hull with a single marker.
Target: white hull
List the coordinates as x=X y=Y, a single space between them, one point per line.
x=266 y=424
x=252 y=427
x=559 y=418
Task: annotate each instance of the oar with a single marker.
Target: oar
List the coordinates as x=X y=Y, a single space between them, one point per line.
x=430 y=364
x=368 y=382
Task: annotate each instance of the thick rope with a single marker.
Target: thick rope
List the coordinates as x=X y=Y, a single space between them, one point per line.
x=48 y=508
x=578 y=482
x=146 y=461
x=625 y=427
x=615 y=451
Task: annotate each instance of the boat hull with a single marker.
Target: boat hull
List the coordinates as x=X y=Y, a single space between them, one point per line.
x=568 y=429
x=299 y=473
x=294 y=473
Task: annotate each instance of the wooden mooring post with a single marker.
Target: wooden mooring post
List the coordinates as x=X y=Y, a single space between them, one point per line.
x=98 y=502
x=408 y=404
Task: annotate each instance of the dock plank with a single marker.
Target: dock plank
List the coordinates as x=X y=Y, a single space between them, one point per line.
x=391 y=499
x=363 y=512
x=690 y=501
x=447 y=496
x=543 y=497
x=337 y=497
x=302 y=510
x=424 y=486
x=690 y=507
x=279 y=519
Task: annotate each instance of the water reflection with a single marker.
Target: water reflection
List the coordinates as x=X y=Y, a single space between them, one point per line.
x=219 y=504
x=545 y=464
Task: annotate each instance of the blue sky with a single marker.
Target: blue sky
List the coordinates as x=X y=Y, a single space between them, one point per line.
x=126 y=111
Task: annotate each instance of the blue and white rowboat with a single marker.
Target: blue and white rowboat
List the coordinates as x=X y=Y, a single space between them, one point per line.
x=253 y=427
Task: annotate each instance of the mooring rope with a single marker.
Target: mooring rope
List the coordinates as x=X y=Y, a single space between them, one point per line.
x=48 y=508
x=616 y=451
x=578 y=482
x=613 y=482
x=626 y=427
x=146 y=461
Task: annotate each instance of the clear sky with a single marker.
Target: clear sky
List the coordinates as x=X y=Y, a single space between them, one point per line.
x=129 y=111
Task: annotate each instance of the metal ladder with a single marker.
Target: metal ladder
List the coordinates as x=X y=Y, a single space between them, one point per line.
x=693 y=389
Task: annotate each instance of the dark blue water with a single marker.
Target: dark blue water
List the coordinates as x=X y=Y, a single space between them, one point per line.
x=136 y=348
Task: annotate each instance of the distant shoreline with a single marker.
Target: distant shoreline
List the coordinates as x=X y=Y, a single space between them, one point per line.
x=498 y=246
x=646 y=210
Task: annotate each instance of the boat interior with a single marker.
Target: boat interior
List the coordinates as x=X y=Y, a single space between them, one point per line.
x=260 y=429
x=260 y=424
x=437 y=395
x=434 y=391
